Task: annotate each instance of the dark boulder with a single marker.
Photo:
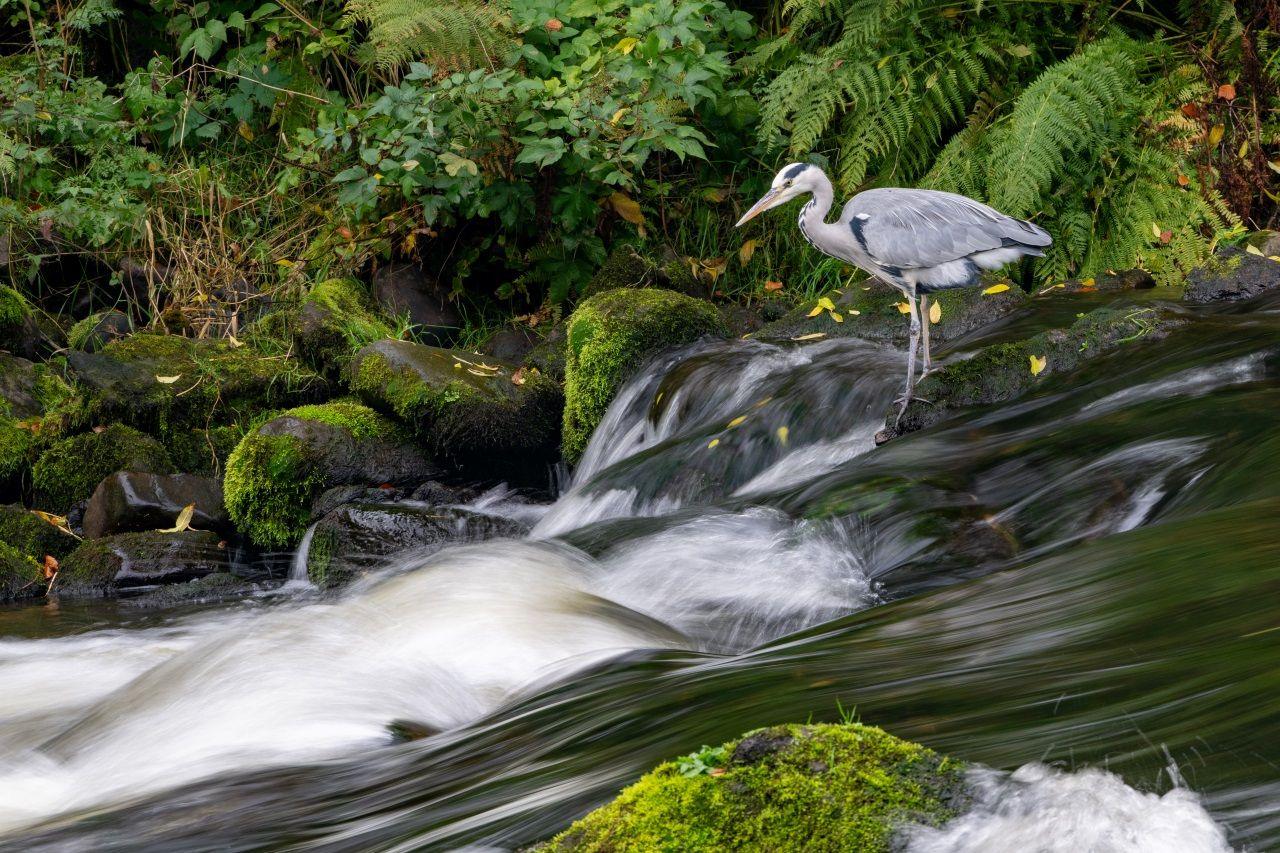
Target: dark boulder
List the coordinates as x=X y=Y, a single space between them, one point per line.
x=1231 y=276
x=20 y=332
x=511 y=344
x=97 y=330
x=403 y=288
x=71 y=469
x=105 y=566
x=27 y=389
x=210 y=589
x=357 y=538
x=134 y=501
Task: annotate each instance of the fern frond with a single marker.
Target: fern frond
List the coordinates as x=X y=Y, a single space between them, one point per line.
x=454 y=34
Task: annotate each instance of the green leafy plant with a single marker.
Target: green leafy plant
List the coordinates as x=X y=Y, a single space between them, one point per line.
x=703 y=761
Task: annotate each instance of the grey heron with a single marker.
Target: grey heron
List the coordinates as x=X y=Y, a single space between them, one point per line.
x=918 y=241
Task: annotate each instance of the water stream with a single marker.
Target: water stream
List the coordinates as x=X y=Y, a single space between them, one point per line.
x=1076 y=592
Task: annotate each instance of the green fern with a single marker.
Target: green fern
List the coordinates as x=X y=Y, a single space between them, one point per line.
x=455 y=34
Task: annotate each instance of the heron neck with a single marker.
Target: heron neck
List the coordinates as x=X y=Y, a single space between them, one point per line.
x=813 y=219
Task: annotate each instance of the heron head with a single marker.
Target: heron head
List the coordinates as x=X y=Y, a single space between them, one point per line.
x=795 y=179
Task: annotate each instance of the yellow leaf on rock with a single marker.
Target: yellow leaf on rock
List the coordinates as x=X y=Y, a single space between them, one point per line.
x=836 y=317
x=935 y=313
x=733 y=423
x=783 y=432
x=903 y=307
x=712 y=443
x=812 y=336
x=1038 y=364
x=746 y=251
x=995 y=288
x=183 y=522
x=827 y=303
x=167 y=380
x=817 y=309
x=1254 y=250
x=854 y=313
x=58 y=521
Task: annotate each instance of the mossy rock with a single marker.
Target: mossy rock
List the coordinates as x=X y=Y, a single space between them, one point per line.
x=204 y=451
x=16 y=447
x=334 y=320
x=610 y=337
x=167 y=383
x=20 y=576
x=1002 y=372
x=28 y=389
x=869 y=311
x=474 y=411
x=19 y=331
x=548 y=355
x=630 y=267
x=1230 y=276
x=107 y=565
x=31 y=536
x=277 y=470
x=97 y=330
x=816 y=788
x=71 y=469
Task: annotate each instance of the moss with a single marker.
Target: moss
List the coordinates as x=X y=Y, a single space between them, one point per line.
x=33 y=536
x=823 y=787
x=321 y=569
x=20 y=576
x=15 y=312
x=204 y=451
x=95 y=331
x=334 y=320
x=610 y=336
x=272 y=479
x=100 y=566
x=71 y=469
x=15 y=448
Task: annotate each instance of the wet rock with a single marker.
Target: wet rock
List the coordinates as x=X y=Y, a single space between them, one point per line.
x=511 y=344
x=133 y=381
x=1266 y=242
x=278 y=470
x=20 y=334
x=204 y=451
x=548 y=355
x=1231 y=276
x=357 y=538
x=32 y=536
x=629 y=267
x=20 y=576
x=1134 y=279
x=1002 y=372
x=404 y=288
x=135 y=501
x=27 y=389
x=851 y=786
x=71 y=469
x=211 y=589
x=404 y=731
x=474 y=411
x=741 y=320
x=611 y=336
x=105 y=566
x=97 y=330
x=870 y=311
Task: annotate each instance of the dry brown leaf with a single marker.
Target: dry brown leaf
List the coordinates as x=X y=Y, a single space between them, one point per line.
x=517 y=378
x=626 y=207
x=50 y=567
x=1183 y=181
x=746 y=250
x=183 y=521
x=1227 y=92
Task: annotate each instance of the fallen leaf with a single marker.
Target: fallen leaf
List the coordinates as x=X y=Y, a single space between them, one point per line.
x=554 y=25
x=772 y=286
x=235 y=342
x=183 y=520
x=1227 y=92
x=617 y=117
x=995 y=288
x=935 y=313
x=1166 y=236
x=479 y=373
x=903 y=307
x=1155 y=229
x=1183 y=181
x=854 y=313
x=626 y=207
x=783 y=432
x=1215 y=134
x=1191 y=110
x=245 y=131
x=626 y=45
x=99 y=429
x=836 y=317
x=1038 y=364
x=457 y=365
x=824 y=302
x=746 y=250
x=812 y=336
x=345 y=233
x=1088 y=282
x=1253 y=250
x=517 y=378
x=715 y=194
x=58 y=521
x=713 y=268
x=817 y=309
x=167 y=380
x=50 y=566
x=712 y=443
x=733 y=423
x=716 y=771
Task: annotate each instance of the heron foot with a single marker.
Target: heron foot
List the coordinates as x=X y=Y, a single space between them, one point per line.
x=907 y=398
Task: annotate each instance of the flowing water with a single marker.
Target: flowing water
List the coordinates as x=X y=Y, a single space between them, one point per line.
x=1076 y=592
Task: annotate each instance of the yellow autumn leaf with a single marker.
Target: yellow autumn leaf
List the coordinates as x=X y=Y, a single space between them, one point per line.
x=817 y=309
x=746 y=251
x=714 y=267
x=167 y=380
x=457 y=365
x=735 y=422
x=994 y=289
x=183 y=520
x=58 y=521
x=854 y=313
x=626 y=207
x=1038 y=364
x=626 y=45
x=812 y=336
x=935 y=313
x=827 y=303
x=903 y=307
x=245 y=131
x=1088 y=282
x=836 y=317
x=617 y=117
x=284 y=262
x=783 y=432
x=1254 y=250
x=1155 y=230
x=1215 y=134
x=712 y=443
x=44 y=115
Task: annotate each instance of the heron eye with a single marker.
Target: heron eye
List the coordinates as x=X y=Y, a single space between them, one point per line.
x=786 y=184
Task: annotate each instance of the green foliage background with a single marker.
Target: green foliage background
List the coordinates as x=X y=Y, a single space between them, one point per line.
x=228 y=148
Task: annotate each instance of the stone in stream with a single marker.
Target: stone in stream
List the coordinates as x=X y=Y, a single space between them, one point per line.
x=1003 y=372
x=813 y=787
x=97 y=330
x=281 y=467
x=870 y=311
x=70 y=470
x=475 y=411
x=611 y=335
x=405 y=289
x=108 y=565
x=356 y=538
x=136 y=501
x=210 y=589
x=1231 y=276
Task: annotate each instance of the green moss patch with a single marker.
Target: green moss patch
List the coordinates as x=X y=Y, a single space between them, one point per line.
x=334 y=320
x=15 y=312
x=32 y=536
x=71 y=469
x=817 y=788
x=20 y=576
x=610 y=336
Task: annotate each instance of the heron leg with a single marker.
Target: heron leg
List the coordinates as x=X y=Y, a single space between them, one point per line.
x=911 y=361
x=926 y=363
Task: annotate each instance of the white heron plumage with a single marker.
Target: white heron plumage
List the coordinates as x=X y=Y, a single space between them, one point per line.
x=919 y=241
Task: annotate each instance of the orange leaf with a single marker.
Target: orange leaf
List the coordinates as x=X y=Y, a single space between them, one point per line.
x=1227 y=92
x=554 y=25
x=50 y=566
x=1183 y=181
x=773 y=285
x=626 y=207
x=1166 y=236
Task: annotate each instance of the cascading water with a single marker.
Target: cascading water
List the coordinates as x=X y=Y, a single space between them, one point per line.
x=1074 y=585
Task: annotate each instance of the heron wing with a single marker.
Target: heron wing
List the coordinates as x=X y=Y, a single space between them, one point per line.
x=913 y=229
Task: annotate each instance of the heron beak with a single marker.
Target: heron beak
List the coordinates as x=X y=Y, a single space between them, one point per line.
x=766 y=201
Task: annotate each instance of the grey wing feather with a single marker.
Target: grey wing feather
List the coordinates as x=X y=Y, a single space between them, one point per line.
x=911 y=229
